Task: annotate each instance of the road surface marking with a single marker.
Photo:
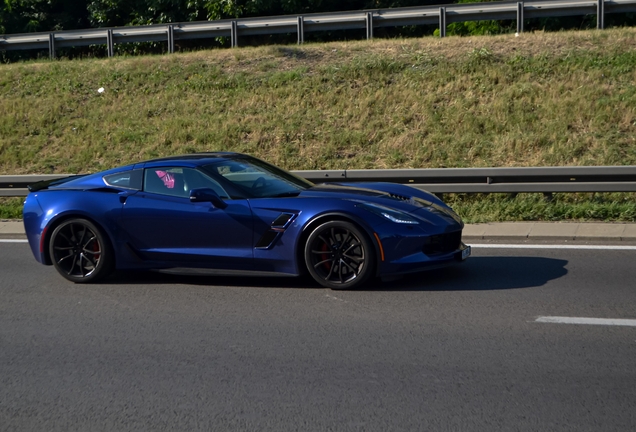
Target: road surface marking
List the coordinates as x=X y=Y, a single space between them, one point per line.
x=588 y=321
x=487 y=246
x=550 y=246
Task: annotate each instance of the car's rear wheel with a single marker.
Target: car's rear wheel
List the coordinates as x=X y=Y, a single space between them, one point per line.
x=80 y=251
x=339 y=255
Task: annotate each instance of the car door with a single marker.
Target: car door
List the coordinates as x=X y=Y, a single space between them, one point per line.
x=163 y=225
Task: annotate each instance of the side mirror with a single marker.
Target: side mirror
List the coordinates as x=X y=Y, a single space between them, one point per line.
x=207 y=195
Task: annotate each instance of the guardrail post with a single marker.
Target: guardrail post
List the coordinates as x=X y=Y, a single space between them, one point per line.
x=52 y=45
x=442 y=22
x=369 y=25
x=519 y=17
x=600 y=14
x=301 y=30
x=234 y=35
x=110 y=43
x=171 y=39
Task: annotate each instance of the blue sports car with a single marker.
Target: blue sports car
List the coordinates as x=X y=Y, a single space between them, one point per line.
x=231 y=213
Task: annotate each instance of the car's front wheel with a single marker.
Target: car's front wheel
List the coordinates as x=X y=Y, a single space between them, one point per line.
x=339 y=255
x=80 y=252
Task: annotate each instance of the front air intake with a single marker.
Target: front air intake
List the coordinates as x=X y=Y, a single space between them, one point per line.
x=442 y=243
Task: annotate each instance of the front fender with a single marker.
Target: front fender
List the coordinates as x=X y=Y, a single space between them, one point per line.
x=321 y=218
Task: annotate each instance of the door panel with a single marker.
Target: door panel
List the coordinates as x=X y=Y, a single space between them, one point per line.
x=172 y=229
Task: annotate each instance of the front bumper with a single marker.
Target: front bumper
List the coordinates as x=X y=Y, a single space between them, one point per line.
x=414 y=249
x=427 y=263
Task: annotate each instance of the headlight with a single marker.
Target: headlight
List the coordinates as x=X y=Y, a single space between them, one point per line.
x=393 y=215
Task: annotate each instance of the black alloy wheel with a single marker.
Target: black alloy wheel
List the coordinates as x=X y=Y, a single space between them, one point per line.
x=80 y=252
x=339 y=255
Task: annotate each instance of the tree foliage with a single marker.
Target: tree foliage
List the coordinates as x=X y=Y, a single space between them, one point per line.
x=20 y=16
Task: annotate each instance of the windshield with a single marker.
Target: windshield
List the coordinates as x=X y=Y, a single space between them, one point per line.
x=257 y=179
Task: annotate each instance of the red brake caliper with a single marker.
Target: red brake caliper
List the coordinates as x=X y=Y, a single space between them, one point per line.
x=95 y=249
x=325 y=257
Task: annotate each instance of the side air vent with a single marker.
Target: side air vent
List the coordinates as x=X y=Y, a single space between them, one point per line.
x=267 y=239
x=283 y=220
x=276 y=228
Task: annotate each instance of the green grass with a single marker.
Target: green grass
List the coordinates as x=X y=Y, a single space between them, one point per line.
x=617 y=207
x=537 y=100
x=11 y=208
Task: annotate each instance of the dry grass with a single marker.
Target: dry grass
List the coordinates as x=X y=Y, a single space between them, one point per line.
x=538 y=99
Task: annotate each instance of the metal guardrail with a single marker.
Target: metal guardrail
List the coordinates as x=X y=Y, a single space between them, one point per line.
x=494 y=180
x=445 y=180
x=441 y=15
x=16 y=185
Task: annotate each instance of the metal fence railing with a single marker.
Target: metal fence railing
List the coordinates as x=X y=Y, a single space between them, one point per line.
x=440 y=15
x=445 y=180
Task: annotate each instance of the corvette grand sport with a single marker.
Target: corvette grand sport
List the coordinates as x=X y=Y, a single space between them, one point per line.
x=231 y=213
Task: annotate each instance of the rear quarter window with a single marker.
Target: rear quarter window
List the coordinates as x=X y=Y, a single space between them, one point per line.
x=126 y=180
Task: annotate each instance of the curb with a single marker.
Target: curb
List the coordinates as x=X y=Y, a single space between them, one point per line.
x=551 y=231
x=11 y=229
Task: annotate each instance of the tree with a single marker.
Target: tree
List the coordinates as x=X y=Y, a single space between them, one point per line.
x=20 y=16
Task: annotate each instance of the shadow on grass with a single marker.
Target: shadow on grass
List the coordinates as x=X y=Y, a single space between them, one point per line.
x=477 y=274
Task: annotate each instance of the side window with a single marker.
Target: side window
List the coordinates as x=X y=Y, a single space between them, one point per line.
x=165 y=181
x=174 y=181
x=195 y=179
x=126 y=179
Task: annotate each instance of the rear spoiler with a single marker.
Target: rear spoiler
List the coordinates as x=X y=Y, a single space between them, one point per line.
x=45 y=184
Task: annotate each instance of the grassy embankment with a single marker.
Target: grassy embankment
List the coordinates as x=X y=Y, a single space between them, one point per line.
x=535 y=100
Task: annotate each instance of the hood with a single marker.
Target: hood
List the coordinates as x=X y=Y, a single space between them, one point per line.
x=397 y=196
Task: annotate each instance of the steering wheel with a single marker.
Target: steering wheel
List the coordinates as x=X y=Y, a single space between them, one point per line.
x=259 y=183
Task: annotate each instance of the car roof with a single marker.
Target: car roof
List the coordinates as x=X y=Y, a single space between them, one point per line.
x=200 y=157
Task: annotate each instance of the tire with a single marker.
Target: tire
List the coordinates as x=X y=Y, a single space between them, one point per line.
x=339 y=255
x=80 y=251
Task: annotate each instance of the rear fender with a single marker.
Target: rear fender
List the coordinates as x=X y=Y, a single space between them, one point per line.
x=104 y=211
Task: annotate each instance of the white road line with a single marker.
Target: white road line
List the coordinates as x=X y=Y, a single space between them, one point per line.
x=550 y=246
x=488 y=246
x=587 y=321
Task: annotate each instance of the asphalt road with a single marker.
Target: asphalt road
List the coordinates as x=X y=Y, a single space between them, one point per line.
x=454 y=349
